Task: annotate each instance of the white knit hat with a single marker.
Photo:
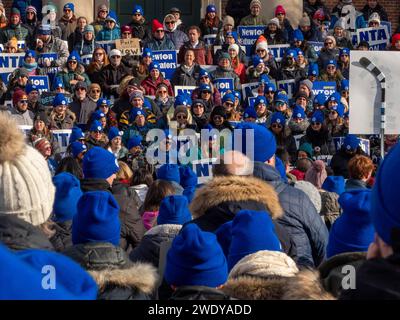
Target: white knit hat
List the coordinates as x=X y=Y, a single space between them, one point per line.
x=262 y=45
x=374 y=17
x=274 y=21
x=235 y=47
x=26 y=188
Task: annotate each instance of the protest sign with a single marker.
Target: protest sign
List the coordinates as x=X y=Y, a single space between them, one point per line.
x=128 y=46
x=248 y=88
x=378 y=38
x=365 y=93
x=354 y=39
x=178 y=90
x=106 y=45
x=388 y=26
x=20 y=45
x=41 y=82
x=62 y=136
x=223 y=85
x=248 y=36
x=50 y=56
x=364 y=144
x=251 y=101
x=8 y=63
x=288 y=86
x=327 y=88
x=86 y=59
x=167 y=60
x=203 y=169
x=317 y=46
x=278 y=51
x=25 y=129
x=209 y=39
x=46 y=98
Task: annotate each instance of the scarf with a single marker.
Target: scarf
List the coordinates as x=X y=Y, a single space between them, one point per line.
x=30 y=66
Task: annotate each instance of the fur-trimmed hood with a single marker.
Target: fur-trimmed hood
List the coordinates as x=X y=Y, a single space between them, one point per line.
x=80 y=69
x=164 y=230
x=235 y=188
x=140 y=276
x=298 y=128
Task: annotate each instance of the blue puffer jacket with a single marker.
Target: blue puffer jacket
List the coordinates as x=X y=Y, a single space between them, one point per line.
x=300 y=220
x=108 y=34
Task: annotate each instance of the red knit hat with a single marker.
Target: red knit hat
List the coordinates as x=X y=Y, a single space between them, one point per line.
x=395 y=38
x=41 y=144
x=19 y=95
x=280 y=9
x=156 y=25
x=126 y=28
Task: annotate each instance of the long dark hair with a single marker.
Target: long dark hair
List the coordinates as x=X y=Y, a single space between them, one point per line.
x=71 y=165
x=156 y=193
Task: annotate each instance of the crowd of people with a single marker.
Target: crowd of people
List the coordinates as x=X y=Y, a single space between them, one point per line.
x=279 y=222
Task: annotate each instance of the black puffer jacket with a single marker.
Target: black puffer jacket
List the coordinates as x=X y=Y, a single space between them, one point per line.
x=18 y=234
x=116 y=277
x=183 y=77
x=218 y=202
x=62 y=239
x=199 y=293
x=340 y=161
x=300 y=220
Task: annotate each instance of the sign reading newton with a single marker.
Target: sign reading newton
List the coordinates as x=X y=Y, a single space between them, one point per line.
x=167 y=61
x=8 y=63
x=224 y=85
x=327 y=88
x=41 y=82
x=248 y=35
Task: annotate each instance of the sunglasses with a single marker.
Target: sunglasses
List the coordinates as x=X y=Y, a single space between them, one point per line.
x=279 y=104
x=160 y=31
x=30 y=12
x=228 y=104
x=169 y=22
x=276 y=126
x=72 y=62
x=97 y=131
x=217 y=118
x=110 y=21
x=126 y=33
x=206 y=92
x=95 y=91
x=137 y=14
x=115 y=57
x=104 y=11
x=80 y=89
x=23 y=101
x=260 y=50
x=67 y=10
x=332 y=112
x=198 y=106
x=162 y=91
x=181 y=117
x=316 y=123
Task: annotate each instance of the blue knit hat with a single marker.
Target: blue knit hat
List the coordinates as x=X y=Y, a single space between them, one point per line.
x=135 y=112
x=30 y=87
x=22 y=274
x=184 y=99
x=335 y=97
x=237 y=95
x=250 y=112
x=334 y=184
x=298 y=35
x=263 y=144
x=74 y=56
x=138 y=9
x=257 y=60
x=97 y=219
x=44 y=29
x=103 y=101
x=298 y=112
x=291 y=53
x=147 y=52
x=76 y=134
x=203 y=73
x=260 y=100
x=112 y=16
x=96 y=126
x=353 y=231
x=269 y=87
x=60 y=100
x=224 y=237
x=344 y=51
x=77 y=148
x=30 y=53
x=320 y=99
x=68 y=192
x=232 y=34
x=195 y=259
x=98 y=163
x=97 y=115
x=313 y=70
x=385 y=196
x=317 y=116
x=339 y=108
x=188 y=177
x=114 y=132
x=58 y=83
x=174 y=210
x=331 y=62
x=280 y=96
x=345 y=85
x=279 y=118
x=204 y=87
x=70 y=6
x=154 y=65
x=169 y=172
x=252 y=231
x=264 y=79
x=351 y=142
x=134 y=141
x=229 y=97
x=211 y=8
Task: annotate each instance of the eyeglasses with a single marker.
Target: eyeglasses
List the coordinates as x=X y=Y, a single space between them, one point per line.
x=95 y=91
x=181 y=117
x=216 y=118
x=115 y=57
x=80 y=89
x=316 y=123
x=205 y=92
x=104 y=11
x=160 y=31
x=137 y=14
x=126 y=33
x=169 y=22
x=276 y=126
x=67 y=10
x=23 y=101
x=73 y=62
x=280 y=14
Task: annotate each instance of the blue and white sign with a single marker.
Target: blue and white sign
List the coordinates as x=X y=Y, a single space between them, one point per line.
x=327 y=88
x=51 y=56
x=167 y=61
x=388 y=25
x=364 y=144
x=20 y=45
x=248 y=36
x=203 y=169
x=209 y=39
x=247 y=90
x=278 y=51
x=106 y=45
x=378 y=38
x=317 y=46
x=86 y=59
x=8 y=63
x=179 y=90
x=223 y=85
x=288 y=86
x=41 y=82
x=62 y=136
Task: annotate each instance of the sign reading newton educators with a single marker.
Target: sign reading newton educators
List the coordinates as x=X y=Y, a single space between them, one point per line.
x=8 y=63
x=248 y=36
x=378 y=38
x=128 y=46
x=327 y=88
x=278 y=51
x=224 y=84
x=167 y=61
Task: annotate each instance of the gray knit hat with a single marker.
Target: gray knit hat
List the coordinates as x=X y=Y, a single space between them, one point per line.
x=26 y=188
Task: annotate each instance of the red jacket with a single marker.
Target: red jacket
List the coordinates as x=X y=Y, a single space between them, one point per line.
x=151 y=86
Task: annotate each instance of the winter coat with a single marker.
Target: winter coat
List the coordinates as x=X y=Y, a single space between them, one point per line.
x=202 y=55
x=254 y=21
x=151 y=86
x=216 y=96
x=62 y=238
x=83 y=109
x=22 y=119
x=321 y=139
x=19 y=32
x=140 y=30
x=67 y=75
x=58 y=46
x=18 y=234
x=300 y=220
x=110 y=77
x=355 y=184
x=106 y=34
x=331 y=270
x=116 y=277
x=277 y=38
x=224 y=49
x=57 y=123
x=229 y=73
x=84 y=47
x=132 y=229
x=339 y=163
x=295 y=73
x=102 y=142
x=177 y=37
x=157 y=45
x=183 y=77
x=98 y=24
x=337 y=77
x=207 y=29
x=68 y=26
x=218 y=201
x=149 y=248
x=367 y=11
x=326 y=55
x=199 y=293
x=330 y=208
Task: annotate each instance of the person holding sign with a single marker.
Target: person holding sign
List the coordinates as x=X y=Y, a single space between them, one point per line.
x=257 y=70
x=47 y=43
x=225 y=71
x=154 y=79
x=331 y=73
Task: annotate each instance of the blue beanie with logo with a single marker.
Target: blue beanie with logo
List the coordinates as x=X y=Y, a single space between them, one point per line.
x=174 y=210
x=69 y=6
x=298 y=35
x=138 y=9
x=260 y=100
x=134 y=141
x=252 y=231
x=317 y=116
x=114 y=132
x=339 y=108
x=229 y=97
x=98 y=163
x=298 y=112
x=97 y=219
x=60 y=100
x=250 y=112
x=279 y=118
x=74 y=56
x=76 y=134
x=195 y=259
x=96 y=126
x=351 y=142
x=77 y=148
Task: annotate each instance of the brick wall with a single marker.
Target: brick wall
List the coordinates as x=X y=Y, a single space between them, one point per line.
x=392 y=7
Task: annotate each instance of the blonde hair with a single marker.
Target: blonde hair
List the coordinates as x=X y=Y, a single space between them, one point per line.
x=124 y=173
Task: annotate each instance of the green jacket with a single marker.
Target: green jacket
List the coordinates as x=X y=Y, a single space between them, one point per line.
x=253 y=21
x=19 y=32
x=67 y=75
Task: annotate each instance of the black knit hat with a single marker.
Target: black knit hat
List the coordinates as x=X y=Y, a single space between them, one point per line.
x=218 y=111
